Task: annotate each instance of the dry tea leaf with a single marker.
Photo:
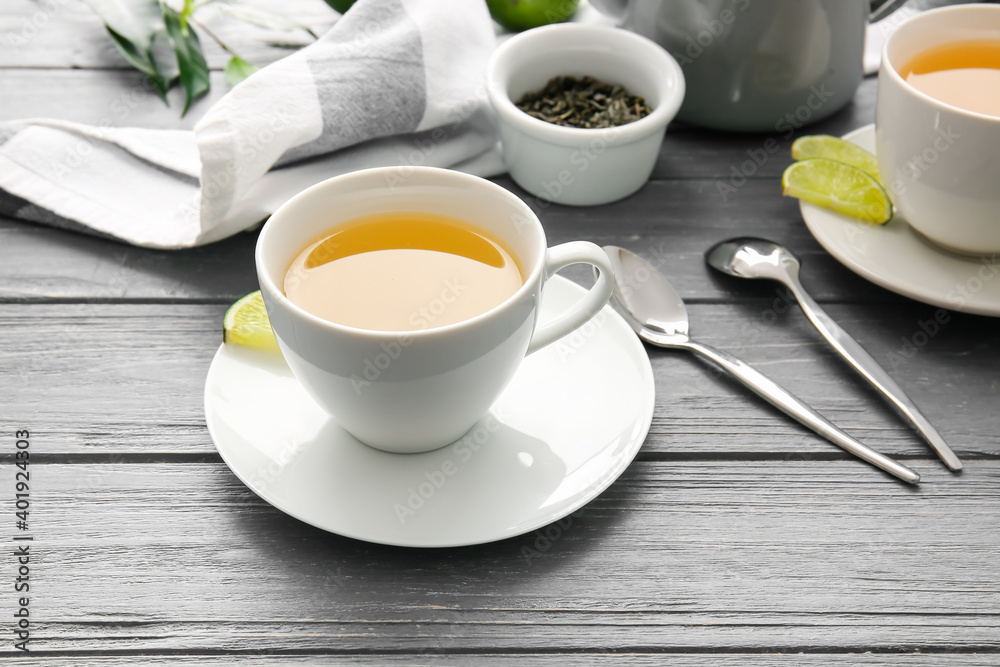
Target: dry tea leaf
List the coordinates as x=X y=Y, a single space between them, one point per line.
x=584 y=103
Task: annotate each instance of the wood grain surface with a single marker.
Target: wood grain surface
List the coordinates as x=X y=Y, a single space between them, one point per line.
x=776 y=556
x=737 y=536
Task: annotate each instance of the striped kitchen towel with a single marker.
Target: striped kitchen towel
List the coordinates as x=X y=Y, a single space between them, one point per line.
x=393 y=82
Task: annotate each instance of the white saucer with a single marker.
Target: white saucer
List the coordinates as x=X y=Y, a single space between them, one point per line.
x=897 y=258
x=572 y=419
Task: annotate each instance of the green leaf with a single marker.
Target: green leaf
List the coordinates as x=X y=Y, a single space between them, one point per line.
x=193 y=70
x=141 y=60
x=238 y=69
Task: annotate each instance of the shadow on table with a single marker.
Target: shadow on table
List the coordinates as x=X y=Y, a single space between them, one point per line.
x=323 y=557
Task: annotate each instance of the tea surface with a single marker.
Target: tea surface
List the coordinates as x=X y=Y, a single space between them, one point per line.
x=964 y=74
x=402 y=272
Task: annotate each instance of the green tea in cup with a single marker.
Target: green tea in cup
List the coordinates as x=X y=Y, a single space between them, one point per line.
x=402 y=271
x=964 y=74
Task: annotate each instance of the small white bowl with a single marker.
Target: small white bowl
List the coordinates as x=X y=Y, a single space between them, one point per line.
x=579 y=166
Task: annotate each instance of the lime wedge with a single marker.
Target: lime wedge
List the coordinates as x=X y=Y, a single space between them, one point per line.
x=246 y=324
x=839 y=187
x=835 y=148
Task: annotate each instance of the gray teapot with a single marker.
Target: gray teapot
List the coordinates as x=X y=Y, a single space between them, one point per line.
x=758 y=65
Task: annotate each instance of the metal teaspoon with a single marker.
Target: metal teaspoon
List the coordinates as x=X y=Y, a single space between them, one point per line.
x=748 y=257
x=657 y=314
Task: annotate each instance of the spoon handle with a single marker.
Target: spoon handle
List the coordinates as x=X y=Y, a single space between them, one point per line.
x=866 y=365
x=779 y=397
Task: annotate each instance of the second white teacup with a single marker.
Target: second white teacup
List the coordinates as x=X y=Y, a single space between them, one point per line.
x=413 y=391
x=941 y=163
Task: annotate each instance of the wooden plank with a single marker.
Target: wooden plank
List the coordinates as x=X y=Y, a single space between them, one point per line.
x=583 y=659
x=113 y=378
x=65 y=34
x=671 y=222
x=773 y=557
x=37 y=262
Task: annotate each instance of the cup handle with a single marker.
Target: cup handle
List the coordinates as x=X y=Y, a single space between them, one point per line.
x=559 y=257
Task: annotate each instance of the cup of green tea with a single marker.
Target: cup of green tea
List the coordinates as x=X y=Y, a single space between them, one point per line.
x=404 y=299
x=937 y=126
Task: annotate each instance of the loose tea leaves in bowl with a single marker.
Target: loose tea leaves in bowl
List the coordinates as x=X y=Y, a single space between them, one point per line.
x=585 y=103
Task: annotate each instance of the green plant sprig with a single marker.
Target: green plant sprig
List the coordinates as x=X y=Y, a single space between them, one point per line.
x=134 y=26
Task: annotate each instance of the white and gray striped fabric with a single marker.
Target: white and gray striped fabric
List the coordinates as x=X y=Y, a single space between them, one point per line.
x=393 y=82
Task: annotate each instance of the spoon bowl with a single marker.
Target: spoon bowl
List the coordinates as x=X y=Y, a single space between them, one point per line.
x=751 y=257
x=646 y=300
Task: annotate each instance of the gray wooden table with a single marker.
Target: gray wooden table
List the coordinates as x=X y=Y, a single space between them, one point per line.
x=736 y=536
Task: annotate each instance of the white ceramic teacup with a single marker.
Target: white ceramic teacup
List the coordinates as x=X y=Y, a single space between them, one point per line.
x=941 y=163
x=414 y=391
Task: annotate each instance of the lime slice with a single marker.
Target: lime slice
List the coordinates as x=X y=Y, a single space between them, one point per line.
x=246 y=324
x=839 y=187
x=835 y=148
